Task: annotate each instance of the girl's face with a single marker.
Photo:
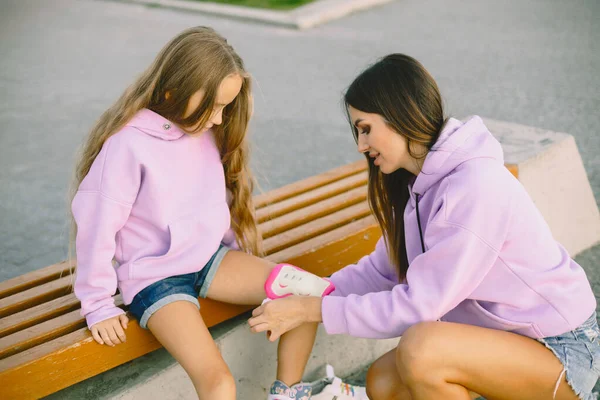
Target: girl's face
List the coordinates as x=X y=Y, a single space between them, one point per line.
x=228 y=90
x=381 y=142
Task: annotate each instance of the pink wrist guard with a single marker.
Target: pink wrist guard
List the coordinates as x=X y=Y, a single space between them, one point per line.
x=286 y=280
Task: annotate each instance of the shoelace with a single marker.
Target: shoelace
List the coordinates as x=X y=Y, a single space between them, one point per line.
x=347 y=389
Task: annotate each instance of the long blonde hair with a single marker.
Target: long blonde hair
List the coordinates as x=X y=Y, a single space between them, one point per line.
x=196 y=59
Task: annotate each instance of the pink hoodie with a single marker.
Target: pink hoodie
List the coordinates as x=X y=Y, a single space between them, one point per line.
x=155 y=201
x=490 y=257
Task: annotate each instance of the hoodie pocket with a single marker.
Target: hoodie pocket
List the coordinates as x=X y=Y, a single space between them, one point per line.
x=193 y=241
x=489 y=320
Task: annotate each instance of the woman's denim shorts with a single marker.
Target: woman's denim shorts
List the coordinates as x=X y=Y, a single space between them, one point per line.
x=186 y=287
x=579 y=353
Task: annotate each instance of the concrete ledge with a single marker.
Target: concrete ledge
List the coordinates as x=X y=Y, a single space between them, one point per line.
x=253 y=361
x=551 y=170
x=304 y=17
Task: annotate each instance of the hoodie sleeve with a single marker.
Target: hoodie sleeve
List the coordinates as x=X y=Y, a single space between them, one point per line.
x=372 y=273
x=101 y=207
x=436 y=282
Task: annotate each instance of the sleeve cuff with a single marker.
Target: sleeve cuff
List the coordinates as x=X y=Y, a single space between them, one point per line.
x=102 y=315
x=334 y=317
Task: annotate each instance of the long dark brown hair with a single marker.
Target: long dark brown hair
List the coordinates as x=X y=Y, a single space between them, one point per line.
x=406 y=96
x=196 y=59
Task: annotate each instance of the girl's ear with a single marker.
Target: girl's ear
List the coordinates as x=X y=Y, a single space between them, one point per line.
x=167 y=95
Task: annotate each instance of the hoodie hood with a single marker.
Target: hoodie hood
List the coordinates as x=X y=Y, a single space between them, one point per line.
x=458 y=142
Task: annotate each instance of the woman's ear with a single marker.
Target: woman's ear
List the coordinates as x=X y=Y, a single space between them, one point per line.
x=167 y=95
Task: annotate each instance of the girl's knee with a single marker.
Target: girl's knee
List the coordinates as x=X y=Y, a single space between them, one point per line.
x=216 y=384
x=225 y=384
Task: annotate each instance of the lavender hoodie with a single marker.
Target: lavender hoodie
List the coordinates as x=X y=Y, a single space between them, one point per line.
x=490 y=259
x=155 y=201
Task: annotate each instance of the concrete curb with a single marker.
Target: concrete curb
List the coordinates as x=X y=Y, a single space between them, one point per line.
x=551 y=170
x=304 y=17
x=252 y=360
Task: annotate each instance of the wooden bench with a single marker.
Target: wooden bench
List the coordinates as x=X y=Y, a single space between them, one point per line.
x=321 y=223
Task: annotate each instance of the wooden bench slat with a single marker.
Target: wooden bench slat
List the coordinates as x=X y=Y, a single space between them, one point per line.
x=327 y=253
x=45 y=331
x=312 y=197
x=304 y=215
x=40 y=333
x=213 y=313
x=79 y=346
x=59 y=363
x=315 y=228
x=38 y=314
x=34 y=278
x=310 y=183
x=34 y=296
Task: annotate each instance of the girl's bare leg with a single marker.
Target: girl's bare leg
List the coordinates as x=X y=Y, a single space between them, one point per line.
x=240 y=279
x=179 y=327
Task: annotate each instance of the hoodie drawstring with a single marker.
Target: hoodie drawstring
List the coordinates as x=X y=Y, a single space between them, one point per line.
x=419 y=222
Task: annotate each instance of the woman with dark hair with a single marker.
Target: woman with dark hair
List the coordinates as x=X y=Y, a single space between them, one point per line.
x=467 y=271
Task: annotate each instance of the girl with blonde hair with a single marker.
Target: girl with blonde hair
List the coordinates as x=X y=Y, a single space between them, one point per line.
x=163 y=198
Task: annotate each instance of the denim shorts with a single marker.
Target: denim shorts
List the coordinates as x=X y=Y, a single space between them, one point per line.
x=187 y=287
x=579 y=352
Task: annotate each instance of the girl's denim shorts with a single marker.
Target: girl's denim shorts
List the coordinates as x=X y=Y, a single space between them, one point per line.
x=187 y=287
x=579 y=352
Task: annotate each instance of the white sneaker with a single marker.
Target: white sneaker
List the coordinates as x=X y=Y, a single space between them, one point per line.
x=338 y=390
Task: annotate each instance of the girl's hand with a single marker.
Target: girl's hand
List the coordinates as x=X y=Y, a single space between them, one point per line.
x=110 y=331
x=280 y=316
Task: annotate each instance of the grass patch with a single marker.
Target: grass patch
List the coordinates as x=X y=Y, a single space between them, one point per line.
x=269 y=4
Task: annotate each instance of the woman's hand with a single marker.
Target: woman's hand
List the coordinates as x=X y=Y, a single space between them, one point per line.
x=110 y=331
x=280 y=316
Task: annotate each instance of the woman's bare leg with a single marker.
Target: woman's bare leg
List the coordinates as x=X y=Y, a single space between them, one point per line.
x=441 y=360
x=384 y=383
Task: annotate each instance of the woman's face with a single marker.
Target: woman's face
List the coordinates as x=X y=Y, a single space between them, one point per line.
x=228 y=90
x=381 y=142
